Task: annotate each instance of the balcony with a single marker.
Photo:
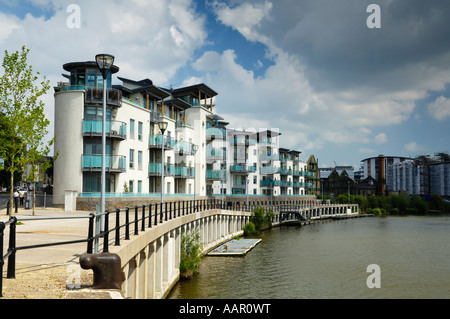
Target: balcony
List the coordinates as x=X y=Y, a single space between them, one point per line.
x=114 y=129
x=216 y=175
x=155 y=169
x=184 y=172
x=94 y=95
x=184 y=148
x=242 y=168
x=155 y=141
x=269 y=157
x=269 y=183
x=113 y=163
x=215 y=153
x=213 y=133
x=269 y=170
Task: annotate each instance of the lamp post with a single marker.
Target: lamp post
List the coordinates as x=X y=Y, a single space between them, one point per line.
x=104 y=63
x=194 y=151
x=246 y=191
x=162 y=127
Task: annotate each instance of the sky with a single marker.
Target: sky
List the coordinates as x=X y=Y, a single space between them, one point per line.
x=318 y=71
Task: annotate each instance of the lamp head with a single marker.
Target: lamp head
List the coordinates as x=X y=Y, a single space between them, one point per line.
x=104 y=63
x=162 y=126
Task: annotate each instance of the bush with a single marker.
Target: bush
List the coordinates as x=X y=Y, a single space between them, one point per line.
x=261 y=218
x=249 y=229
x=190 y=254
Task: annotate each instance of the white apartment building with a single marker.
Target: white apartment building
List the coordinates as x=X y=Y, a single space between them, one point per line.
x=226 y=161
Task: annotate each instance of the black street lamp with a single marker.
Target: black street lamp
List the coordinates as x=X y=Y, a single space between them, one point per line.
x=104 y=63
x=162 y=127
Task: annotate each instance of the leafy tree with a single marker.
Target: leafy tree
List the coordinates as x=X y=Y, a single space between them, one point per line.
x=21 y=106
x=37 y=149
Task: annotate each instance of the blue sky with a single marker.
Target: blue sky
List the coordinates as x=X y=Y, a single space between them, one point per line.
x=310 y=68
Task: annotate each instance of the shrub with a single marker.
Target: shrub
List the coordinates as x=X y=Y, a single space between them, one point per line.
x=249 y=229
x=190 y=254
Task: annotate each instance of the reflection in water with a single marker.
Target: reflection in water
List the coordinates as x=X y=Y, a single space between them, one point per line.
x=329 y=260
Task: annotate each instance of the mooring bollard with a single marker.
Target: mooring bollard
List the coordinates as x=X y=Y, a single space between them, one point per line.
x=107 y=269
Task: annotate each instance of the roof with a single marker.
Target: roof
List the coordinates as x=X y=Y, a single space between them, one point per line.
x=145 y=85
x=203 y=89
x=178 y=103
x=87 y=64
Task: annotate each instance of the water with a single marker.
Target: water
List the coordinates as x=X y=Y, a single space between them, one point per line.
x=330 y=259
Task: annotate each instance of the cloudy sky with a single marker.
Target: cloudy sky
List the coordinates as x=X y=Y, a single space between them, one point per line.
x=313 y=69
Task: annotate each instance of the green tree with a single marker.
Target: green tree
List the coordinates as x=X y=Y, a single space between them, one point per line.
x=21 y=106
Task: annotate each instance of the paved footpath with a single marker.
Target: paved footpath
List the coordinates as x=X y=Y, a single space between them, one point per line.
x=37 y=261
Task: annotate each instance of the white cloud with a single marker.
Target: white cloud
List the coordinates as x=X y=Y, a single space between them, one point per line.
x=414 y=147
x=245 y=18
x=380 y=138
x=440 y=108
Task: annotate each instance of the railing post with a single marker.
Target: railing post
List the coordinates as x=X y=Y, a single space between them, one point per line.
x=165 y=211
x=149 y=215
x=90 y=241
x=170 y=210
x=117 y=243
x=106 y=233
x=161 y=212
x=2 y=228
x=136 y=220
x=127 y=224
x=12 y=248
x=143 y=218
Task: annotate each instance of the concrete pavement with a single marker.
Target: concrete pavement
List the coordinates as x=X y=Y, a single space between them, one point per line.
x=33 y=232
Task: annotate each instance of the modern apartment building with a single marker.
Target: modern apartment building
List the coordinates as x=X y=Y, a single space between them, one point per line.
x=424 y=175
x=200 y=154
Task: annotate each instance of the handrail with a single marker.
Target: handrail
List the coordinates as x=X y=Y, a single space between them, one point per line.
x=12 y=248
x=145 y=217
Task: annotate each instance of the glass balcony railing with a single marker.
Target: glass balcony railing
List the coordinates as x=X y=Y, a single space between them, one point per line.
x=269 y=157
x=269 y=183
x=269 y=170
x=112 y=128
x=216 y=175
x=215 y=133
x=215 y=153
x=242 y=168
x=156 y=169
x=113 y=163
x=155 y=141
x=184 y=148
x=184 y=172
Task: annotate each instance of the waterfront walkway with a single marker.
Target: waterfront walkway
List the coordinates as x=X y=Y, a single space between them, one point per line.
x=43 y=273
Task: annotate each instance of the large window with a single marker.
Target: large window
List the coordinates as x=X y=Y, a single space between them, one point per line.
x=96 y=113
x=132 y=128
x=89 y=77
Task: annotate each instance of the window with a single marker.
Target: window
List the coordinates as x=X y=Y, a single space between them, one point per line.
x=131 y=186
x=140 y=160
x=140 y=131
x=131 y=158
x=132 y=128
x=139 y=190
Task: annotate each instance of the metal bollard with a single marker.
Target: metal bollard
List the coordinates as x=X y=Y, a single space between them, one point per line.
x=107 y=269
